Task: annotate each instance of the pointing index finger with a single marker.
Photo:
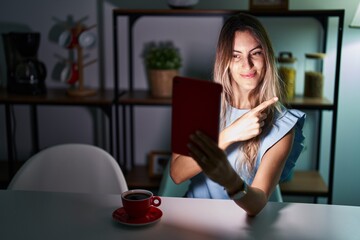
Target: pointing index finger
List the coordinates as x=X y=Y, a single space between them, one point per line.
x=265 y=104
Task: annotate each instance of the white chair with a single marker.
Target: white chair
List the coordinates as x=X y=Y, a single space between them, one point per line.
x=276 y=196
x=168 y=188
x=77 y=168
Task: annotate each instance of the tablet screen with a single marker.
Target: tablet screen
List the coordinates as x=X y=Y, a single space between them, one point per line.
x=195 y=106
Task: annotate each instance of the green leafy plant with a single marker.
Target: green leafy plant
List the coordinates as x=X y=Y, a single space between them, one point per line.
x=162 y=55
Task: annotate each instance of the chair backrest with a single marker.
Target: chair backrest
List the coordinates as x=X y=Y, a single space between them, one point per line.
x=78 y=168
x=168 y=188
x=276 y=196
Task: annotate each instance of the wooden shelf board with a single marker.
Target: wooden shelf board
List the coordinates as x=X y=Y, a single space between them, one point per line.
x=138 y=177
x=143 y=97
x=224 y=12
x=307 y=183
x=58 y=96
x=310 y=103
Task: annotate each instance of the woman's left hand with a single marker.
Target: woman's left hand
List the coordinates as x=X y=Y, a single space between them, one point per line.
x=211 y=159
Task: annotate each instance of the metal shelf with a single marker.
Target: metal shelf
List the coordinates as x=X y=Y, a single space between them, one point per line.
x=308 y=183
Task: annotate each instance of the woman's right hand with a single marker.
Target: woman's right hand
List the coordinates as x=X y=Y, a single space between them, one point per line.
x=248 y=125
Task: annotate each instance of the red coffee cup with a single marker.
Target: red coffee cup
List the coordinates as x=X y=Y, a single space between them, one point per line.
x=137 y=202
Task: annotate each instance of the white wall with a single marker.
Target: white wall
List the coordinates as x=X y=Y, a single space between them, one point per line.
x=65 y=124
x=59 y=124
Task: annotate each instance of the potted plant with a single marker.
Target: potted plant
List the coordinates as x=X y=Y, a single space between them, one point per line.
x=162 y=61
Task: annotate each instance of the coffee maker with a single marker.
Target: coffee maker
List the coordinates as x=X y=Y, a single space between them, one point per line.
x=25 y=73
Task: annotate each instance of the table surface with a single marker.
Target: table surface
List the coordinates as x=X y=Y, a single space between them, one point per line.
x=44 y=215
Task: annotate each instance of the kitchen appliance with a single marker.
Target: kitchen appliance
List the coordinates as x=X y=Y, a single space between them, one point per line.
x=25 y=73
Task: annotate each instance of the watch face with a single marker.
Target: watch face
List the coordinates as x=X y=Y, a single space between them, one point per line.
x=238 y=195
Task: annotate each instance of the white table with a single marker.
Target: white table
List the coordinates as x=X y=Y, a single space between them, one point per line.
x=41 y=215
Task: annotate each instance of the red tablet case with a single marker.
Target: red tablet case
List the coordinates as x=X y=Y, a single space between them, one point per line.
x=195 y=106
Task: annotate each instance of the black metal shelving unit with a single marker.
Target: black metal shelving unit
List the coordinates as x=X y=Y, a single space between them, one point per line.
x=306 y=183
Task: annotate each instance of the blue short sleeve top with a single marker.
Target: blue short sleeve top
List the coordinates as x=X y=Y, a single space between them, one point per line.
x=202 y=187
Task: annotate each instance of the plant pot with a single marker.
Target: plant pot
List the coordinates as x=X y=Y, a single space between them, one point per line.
x=161 y=82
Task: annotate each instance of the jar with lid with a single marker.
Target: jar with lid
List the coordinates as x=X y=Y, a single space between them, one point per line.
x=287 y=73
x=314 y=78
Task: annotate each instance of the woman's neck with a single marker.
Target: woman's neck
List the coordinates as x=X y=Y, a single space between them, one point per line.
x=241 y=100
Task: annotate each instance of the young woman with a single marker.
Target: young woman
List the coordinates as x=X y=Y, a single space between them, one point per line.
x=260 y=140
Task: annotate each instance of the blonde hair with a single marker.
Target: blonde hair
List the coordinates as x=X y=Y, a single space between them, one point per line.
x=268 y=88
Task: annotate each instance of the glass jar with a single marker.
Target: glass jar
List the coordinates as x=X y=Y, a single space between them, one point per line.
x=314 y=78
x=287 y=73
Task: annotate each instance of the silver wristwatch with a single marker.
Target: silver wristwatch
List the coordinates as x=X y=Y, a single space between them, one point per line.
x=241 y=193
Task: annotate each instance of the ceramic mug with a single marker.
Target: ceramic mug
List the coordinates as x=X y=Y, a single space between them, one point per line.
x=87 y=39
x=137 y=202
x=69 y=38
x=60 y=34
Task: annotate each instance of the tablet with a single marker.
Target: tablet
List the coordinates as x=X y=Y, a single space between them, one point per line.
x=195 y=106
